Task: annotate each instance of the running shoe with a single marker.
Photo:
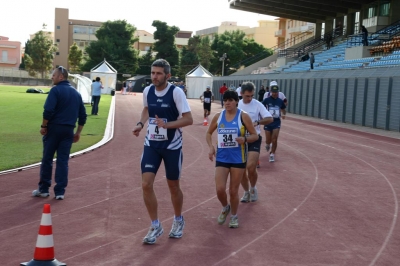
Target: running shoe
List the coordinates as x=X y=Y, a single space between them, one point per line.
x=234 y=222
x=152 y=235
x=177 y=229
x=59 y=197
x=246 y=197
x=253 y=195
x=271 y=158
x=37 y=193
x=223 y=215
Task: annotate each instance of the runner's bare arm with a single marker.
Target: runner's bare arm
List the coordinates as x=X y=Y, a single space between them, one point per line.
x=210 y=131
x=143 y=119
x=250 y=128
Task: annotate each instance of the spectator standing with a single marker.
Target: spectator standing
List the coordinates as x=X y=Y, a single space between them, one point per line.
x=123 y=88
x=163 y=142
x=62 y=109
x=97 y=87
x=364 y=35
x=312 y=61
x=261 y=93
x=222 y=90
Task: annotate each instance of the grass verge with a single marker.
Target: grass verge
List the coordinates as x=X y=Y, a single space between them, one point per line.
x=21 y=116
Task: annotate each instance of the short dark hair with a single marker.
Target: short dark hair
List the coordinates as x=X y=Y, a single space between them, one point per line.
x=247 y=86
x=98 y=79
x=164 y=64
x=230 y=95
x=224 y=83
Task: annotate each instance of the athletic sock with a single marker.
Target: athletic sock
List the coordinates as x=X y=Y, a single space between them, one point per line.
x=226 y=207
x=178 y=218
x=234 y=216
x=155 y=223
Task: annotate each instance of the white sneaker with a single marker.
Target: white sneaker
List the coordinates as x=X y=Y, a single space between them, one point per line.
x=59 y=197
x=234 y=222
x=152 y=235
x=253 y=195
x=37 y=193
x=222 y=217
x=271 y=158
x=246 y=197
x=177 y=229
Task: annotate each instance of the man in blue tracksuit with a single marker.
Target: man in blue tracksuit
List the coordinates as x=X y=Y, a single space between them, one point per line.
x=63 y=107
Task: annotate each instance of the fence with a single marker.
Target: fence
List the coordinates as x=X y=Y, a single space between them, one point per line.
x=365 y=97
x=21 y=77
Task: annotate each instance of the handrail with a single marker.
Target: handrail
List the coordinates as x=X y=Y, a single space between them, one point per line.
x=275 y=49
x=381 y=35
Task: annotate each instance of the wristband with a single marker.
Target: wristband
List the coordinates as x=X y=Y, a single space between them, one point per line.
x=140 y=123
x=43 y=126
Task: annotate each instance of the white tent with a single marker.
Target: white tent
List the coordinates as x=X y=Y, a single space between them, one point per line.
x=83 y=86
x=107 y=74
x=197 y=80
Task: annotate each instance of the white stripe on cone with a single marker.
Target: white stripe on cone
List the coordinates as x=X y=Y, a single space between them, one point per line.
x=45 y=241
x=46 y=219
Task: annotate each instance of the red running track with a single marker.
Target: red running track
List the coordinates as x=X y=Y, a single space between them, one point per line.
x=331 y=198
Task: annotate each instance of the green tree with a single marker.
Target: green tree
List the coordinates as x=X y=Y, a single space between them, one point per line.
x=205 y=53
x=41 y=54
x=165 y=43
x=238 y=48
x=145 y=62
x=74 y=57
x=114 y=43
x=189 y=60
x=22 y=65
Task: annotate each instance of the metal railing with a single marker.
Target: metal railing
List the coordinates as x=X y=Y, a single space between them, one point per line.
x=275 y=49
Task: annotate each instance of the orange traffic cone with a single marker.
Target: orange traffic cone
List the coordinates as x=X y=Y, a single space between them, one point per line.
x=205 y=122
x=44 y=251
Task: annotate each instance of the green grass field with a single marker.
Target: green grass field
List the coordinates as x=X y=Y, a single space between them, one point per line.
x=21 y=117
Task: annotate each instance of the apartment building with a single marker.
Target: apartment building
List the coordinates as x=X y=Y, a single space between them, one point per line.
x=263 y=34
x=289 y=29
x=10 y=53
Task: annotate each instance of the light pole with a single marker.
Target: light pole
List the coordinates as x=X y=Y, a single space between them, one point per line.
x=222 y=58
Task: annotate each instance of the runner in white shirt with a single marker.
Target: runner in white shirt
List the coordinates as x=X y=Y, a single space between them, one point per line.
x=259 y=116
x=239 y=91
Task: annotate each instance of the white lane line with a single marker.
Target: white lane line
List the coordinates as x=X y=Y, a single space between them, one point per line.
x=287 y=216
x=396 y=203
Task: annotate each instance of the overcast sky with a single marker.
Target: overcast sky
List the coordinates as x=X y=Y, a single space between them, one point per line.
x=19 y=18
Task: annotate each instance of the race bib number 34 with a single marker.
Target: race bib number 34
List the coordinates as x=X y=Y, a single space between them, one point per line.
x=157 y=133
x=227 y=138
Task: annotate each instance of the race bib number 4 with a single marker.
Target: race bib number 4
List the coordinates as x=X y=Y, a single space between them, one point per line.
x=157 y=133
x=227 y=138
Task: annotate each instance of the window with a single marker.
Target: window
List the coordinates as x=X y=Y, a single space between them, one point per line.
x=4 y=56
x=58 y=40
x=371 y=12
x=58 y=27
x=57 y=53
x=384 y=9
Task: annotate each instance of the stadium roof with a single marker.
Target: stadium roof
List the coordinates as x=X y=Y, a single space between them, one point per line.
x=313 y=11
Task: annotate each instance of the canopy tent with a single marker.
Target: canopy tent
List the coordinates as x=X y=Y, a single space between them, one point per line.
x=83 y=86
x=107 y=74
x=197 y=80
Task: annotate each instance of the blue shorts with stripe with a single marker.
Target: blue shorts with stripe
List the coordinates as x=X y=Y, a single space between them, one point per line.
x=274 y=125
x=152 y=157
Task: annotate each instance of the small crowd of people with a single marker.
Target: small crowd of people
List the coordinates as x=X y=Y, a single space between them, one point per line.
x=236 y=150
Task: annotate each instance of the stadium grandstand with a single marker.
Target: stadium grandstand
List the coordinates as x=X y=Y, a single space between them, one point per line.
x=351 y=81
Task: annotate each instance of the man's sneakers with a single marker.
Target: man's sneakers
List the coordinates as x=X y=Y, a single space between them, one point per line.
x=59 y=197
x=253 y=194
x=234 y=222
x=37 y=193
x=152 y=234
x=177 y=229
x=271 y=158
x=224 y=213
x=246 y=197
